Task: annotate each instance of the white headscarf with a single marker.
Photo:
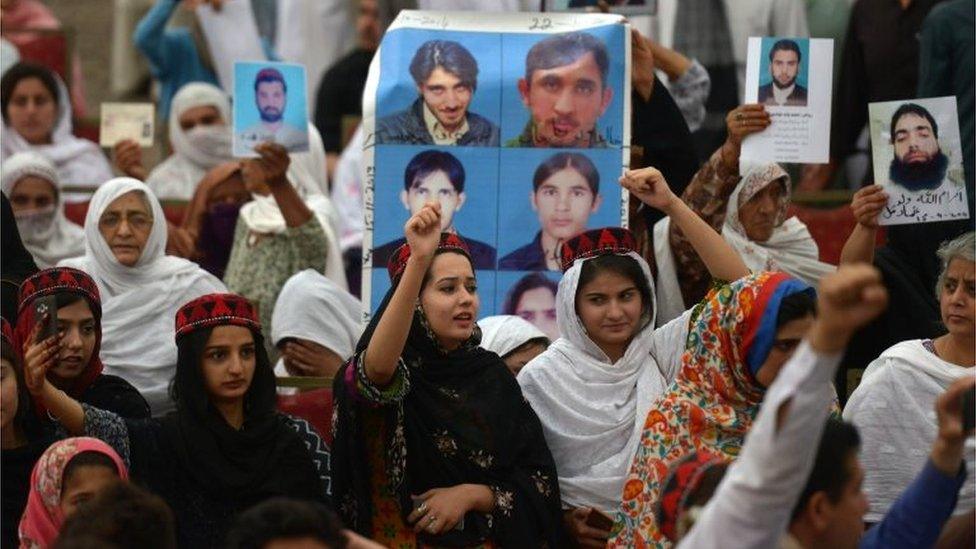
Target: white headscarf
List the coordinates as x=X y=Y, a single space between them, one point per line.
x=312 y=307
x=139 y=303
x=502 y=334
x=790 y=249
x=593 y=411
x=307 y=174
x=47 y=235
x=80 y=163
x=893 y=408
x=194 y=152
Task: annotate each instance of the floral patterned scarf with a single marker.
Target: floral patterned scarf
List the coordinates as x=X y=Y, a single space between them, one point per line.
x=712 y=402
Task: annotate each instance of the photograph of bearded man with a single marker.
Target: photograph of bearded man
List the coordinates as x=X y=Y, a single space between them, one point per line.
x=271 y=101
x=918 y=162
x=785 y=65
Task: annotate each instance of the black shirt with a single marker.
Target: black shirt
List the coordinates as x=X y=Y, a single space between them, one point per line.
x=340 y=94
x=879 y=63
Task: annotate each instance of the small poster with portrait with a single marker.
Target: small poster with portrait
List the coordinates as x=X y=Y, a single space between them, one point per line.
x=917 y=158
x=792 y=77
x=270 y=105
x=517 y=123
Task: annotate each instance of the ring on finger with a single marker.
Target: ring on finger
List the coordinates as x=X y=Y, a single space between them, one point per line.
x=738 y=116
x=422 y=508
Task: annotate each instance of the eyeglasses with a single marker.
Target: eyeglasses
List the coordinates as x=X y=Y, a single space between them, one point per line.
x=135 y=220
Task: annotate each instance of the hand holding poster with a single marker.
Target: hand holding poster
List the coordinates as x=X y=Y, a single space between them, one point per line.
x=269 y=105
x=917 y=158
x=792 y=78
x=121 y=121
x=466 y=108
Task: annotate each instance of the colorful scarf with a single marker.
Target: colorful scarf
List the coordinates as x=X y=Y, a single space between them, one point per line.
x=42 y=518
x=712 y=402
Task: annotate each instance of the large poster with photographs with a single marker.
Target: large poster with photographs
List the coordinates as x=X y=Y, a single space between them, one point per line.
x=517 y=123
x=917 y=158
x=792 y=77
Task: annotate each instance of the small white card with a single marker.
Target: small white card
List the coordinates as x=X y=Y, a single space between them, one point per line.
x=917 y=158
x=793 y=78
x=121 y=121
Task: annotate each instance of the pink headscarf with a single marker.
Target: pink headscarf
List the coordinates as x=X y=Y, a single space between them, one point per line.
x=42 y=520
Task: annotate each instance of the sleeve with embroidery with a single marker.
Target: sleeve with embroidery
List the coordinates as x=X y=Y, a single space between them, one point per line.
x=708 y=196
x=361 y=386
x=319 y=451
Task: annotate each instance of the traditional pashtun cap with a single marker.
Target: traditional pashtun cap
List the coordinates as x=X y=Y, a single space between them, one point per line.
x=605 y=241
x=8 y=334
x=684 y=478
x=449 y=241
x=216 y=310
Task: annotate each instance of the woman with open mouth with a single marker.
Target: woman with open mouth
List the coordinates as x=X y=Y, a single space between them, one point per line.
x=434 y=444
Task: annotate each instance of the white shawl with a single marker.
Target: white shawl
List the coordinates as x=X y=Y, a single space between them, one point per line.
x=502 y=334
x=176 y=178
x=80 y=163
x=894 y=411
x=139 y=303
x=313 y=307
x=592 y=411
x=790 y=249
x=57 y=238
x=307 y=174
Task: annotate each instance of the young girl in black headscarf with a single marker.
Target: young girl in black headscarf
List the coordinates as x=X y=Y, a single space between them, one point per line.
x=434 y=444
x=225 y=448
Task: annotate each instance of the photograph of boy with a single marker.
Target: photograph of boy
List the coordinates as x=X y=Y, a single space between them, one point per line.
x=565 y=192
x=446 y=75
x=533 y=298
x=436 y=175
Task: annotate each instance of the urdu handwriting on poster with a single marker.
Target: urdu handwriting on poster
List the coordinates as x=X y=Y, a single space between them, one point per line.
x=917 y=158
x=792 y=78
x=518 y=123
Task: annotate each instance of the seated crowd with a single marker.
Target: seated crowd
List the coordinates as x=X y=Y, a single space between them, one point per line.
x=677 y=387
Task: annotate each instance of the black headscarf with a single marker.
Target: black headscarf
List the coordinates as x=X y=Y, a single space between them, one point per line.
x=264 y=458
x=463 y=421
x=16 y=263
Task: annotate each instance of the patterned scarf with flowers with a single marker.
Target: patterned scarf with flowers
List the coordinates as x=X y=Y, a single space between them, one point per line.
x=712 y=402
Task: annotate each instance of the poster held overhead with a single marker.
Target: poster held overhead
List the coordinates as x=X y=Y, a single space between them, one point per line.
x=231 y=35
x=270 y=105
x=792 y=77
x=917 y=158
x=465 y=108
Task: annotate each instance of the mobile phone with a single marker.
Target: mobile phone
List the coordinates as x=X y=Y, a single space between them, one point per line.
x=46 y=305
x=968 y=411
x=599 y=520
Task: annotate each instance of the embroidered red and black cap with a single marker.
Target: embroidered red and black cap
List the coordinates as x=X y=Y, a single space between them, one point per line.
x=216 y=310
x=684 y=478
x=449 y=241
x=608 y=240
x=57 y=280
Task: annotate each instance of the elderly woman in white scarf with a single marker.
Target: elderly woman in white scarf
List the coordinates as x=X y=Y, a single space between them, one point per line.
x=200 y=135
x=749 y=211
x=141 y=287
x=30 y=181
x=593 y=387
x=37 y=117
x=893 y=405
x=288 y=227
